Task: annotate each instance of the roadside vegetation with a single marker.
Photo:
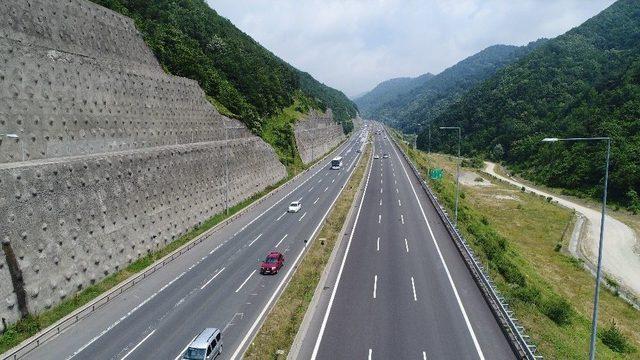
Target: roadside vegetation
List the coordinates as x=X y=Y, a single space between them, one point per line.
x=276 y=335
x=519 y=237
x=279 y=133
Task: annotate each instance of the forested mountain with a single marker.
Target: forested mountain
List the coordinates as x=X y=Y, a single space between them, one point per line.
x=243 y=78
x=423 y=103
x=580 y=84
x=370 y=102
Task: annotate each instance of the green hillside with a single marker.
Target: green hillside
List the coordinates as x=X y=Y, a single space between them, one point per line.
x=423 y=103
x=583 y=83
x=243 y=78
x=370 y=103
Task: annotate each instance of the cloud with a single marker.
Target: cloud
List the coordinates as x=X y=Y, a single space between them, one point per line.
x=354 y=44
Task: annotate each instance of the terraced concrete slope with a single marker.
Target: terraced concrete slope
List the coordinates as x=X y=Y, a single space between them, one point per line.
x=107 y=157
x=316 y=134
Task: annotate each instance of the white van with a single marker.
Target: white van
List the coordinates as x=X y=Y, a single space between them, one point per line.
x=206 y=346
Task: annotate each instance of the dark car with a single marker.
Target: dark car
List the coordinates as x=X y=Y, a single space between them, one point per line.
x=272 y=264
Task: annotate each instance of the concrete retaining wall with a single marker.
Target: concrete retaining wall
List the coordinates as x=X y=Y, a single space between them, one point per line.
x=316 y=134
x=8 y=301
x=113 y=159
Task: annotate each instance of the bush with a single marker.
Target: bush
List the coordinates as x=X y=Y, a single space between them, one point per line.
x=558 y=310
x=527 y=294
x=615 y=340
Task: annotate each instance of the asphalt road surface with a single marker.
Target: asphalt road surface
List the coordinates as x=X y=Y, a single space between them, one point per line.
x=401 y=289
x=216 y=284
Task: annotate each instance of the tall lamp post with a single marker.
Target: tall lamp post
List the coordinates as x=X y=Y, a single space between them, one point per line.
x=594 y=323
x=458 y=172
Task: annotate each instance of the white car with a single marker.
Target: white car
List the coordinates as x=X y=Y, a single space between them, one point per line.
x=376 y=156
x=294 y=207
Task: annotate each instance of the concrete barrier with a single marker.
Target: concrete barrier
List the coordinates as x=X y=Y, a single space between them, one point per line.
x=316 y=134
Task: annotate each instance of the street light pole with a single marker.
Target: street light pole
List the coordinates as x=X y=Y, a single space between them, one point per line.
x=458 y=172
x=596 y=295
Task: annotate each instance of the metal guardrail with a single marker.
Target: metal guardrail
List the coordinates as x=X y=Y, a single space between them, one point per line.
x=514 y=331
x=55 y=329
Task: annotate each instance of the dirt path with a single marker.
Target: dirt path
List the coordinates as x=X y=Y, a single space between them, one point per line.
x=619 y=260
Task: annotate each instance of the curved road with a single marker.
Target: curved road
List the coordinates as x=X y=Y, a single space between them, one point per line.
x=620 y=259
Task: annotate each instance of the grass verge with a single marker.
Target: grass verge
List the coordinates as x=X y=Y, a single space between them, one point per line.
x=284 y=319
x=516 y=235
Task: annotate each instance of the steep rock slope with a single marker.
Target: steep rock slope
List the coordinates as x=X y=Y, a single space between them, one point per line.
x=243 y=78
x=110 y=157
x=583 y=83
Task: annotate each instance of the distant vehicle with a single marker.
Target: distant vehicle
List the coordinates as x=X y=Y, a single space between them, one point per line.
x=294 y=207
x=376 y=156
x=336 y=163
x=358 y=151
x=385 y=156
x=272 y=264
x=206 y=346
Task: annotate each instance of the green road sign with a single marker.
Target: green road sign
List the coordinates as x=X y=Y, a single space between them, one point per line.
x=436 y=174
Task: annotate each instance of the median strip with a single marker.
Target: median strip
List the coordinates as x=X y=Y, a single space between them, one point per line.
x=284 y=319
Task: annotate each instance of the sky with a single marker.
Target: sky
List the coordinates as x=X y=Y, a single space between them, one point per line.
x=352 y=45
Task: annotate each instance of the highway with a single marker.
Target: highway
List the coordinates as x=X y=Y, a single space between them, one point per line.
x=215 y=284
x=399 y=289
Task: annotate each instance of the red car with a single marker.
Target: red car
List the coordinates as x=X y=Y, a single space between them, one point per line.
x=272 y=264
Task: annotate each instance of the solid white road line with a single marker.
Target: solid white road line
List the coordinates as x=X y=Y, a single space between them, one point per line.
x=215 y=249
x=413 y=286
x=378 y=244
x=379 y=218
x=279 y=242
x=316 y=201
x=375 y=286
x=280 y=217
x=210 y=280
x=302 y=217
x=446 y=268
x=125 y=316
x=369 y=354
x=179 y=357
x=140 y=343
x=256 y=239
x=402 y=219
x=255 y=324
x=316 y=347
x=406 y=245
x=245 y=281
